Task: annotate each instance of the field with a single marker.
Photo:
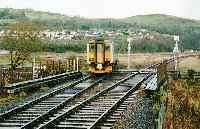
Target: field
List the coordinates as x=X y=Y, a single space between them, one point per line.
x=190 y=63
x=4 y=58
x=138 y=60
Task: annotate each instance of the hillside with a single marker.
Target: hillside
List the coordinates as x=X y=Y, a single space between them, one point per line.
x=160 y=19
x=189 y=30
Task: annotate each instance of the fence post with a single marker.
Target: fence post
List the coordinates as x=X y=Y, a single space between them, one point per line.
x=77 y=64
x=1 y=77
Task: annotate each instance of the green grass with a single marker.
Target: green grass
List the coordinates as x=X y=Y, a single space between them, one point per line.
x=4 y=59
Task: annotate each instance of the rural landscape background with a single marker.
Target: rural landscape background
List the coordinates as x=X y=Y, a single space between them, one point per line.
x=152 y=42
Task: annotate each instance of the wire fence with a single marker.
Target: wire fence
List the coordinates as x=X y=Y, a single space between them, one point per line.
x=40 y=69
x=190 y=74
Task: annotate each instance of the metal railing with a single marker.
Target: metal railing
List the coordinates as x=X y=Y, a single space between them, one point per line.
x=50 y=80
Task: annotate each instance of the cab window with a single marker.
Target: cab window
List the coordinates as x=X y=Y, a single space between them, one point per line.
x=92 y=47
x=100 y=48
x=107 y=48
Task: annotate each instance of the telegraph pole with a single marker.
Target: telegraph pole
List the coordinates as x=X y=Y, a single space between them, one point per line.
x=176 y=51
x=129 y=52
x=77 y=64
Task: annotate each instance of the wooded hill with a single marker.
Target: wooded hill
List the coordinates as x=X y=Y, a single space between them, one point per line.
x=189 y=30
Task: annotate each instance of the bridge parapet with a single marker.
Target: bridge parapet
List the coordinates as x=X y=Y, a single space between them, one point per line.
x=30 y=84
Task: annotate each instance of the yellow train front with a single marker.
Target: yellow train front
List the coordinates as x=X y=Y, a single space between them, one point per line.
x=100 y=56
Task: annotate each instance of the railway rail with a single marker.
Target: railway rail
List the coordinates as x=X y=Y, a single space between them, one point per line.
x=90 y=113
x=38 y=112
x=48 y=97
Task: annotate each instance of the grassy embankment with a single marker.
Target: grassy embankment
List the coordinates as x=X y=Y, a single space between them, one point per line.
x=183 y=105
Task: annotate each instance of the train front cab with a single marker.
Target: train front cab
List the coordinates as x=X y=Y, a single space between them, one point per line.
x=99 y=57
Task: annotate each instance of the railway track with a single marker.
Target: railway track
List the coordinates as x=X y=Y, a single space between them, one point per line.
x=90 y=114
x=44 y=109
x=37 y=107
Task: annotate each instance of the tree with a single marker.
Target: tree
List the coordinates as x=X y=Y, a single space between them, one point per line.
x=3 y=13
x=21 y=39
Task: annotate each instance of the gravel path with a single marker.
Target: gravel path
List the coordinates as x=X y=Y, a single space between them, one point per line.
x=140 y=114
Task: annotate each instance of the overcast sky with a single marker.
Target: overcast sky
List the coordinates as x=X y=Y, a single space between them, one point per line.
x=110 y=8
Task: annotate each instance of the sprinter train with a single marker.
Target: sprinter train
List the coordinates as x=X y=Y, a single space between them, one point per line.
x=100 y=55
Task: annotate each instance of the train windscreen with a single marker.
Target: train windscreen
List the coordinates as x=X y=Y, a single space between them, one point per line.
x=100 y=53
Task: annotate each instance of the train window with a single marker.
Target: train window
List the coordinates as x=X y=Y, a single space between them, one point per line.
x=107 y=48
x=100 y=53
x=99 y=48
x=92 y=47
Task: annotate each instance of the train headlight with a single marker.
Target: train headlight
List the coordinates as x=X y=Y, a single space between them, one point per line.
x=91 y=59
x=107 y=59
x=99 y=66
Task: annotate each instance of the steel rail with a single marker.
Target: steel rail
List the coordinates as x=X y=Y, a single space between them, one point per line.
x=51 y=123
x=43 y=97
x=60 y=106
x=118 y=103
